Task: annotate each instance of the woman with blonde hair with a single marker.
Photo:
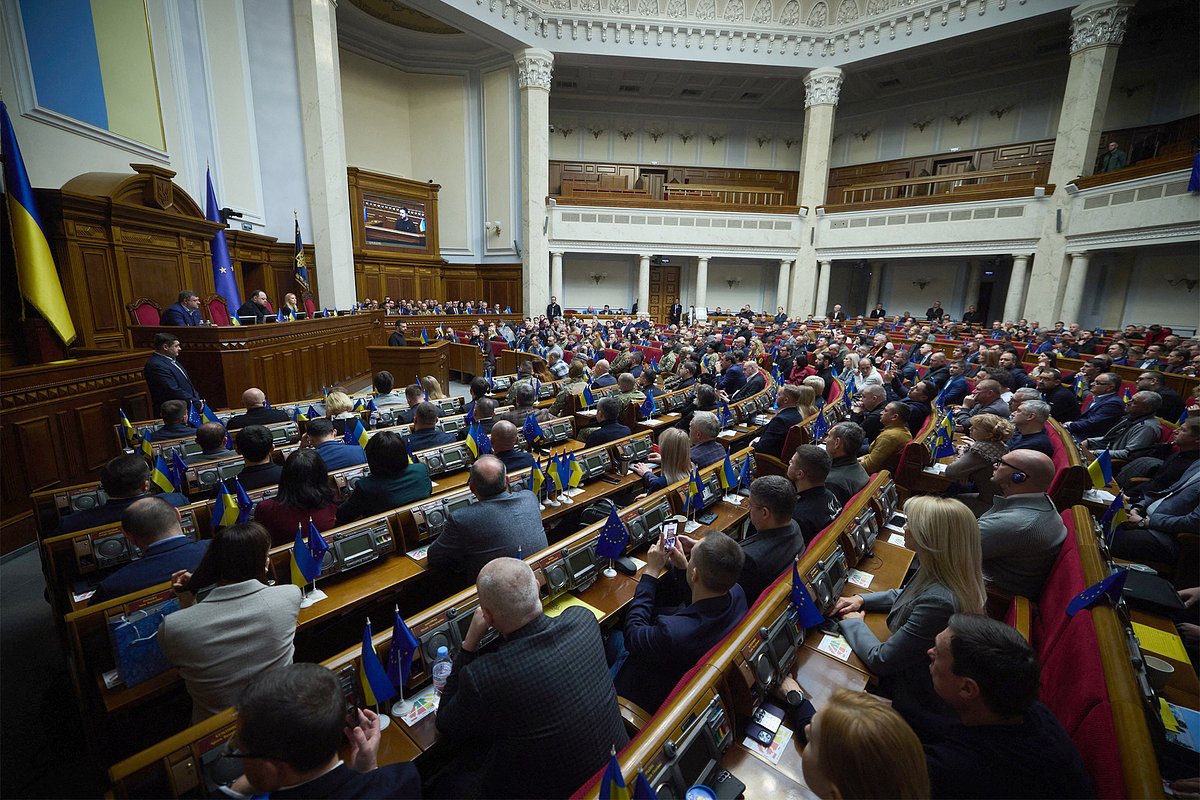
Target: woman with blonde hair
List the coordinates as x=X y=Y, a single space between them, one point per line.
x=859 y=747
x=978 y=453
x=806 y=401
x=945 y=536
x=338 y=405
x=433 y=389
x=674 y=457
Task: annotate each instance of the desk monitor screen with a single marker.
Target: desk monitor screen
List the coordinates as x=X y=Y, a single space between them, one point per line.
x=452 y=425
x=582 y=565
x=355 y=549
x=558 y=431
x=888 y=498
x=499 y=384
x=460 y=501
x=654 y=519
x=594 y=465
x=230 y=469
x=782 y=643
x=696 y=759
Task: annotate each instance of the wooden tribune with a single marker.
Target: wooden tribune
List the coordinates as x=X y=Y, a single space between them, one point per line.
x=406 y=363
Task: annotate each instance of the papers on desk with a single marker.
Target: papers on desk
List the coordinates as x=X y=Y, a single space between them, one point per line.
x=728 y=434
x=1099 y=496
x=736 y=499
x=1184 y=726
x=691 y=526
x=565 y=601
x=433 y=484
x=860 y=578
x=422 y=706
x=420 y=553
x=896 y=539
x=935 y=469
x=835 y=646
x=1161 y=643
x=587 y=412
x=770 y=753
x=82 y=597
x=653 y=422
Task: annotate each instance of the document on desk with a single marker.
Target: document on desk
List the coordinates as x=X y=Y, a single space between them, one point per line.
x=728 y=434
x=860 y=578
x=835 y=646
x=773 y=752
x=419 y=554
x=565 y=601
x=1163 y=643
x=652 y=422
x=423 y=704
x=1184 y=727
x=896 y=539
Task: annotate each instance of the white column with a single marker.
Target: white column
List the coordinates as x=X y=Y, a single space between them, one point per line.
x=821 y=87
x=1097 y=29
x=823 y=289
x=556 y=277
x=873 y=287
x=643 y=295
x=701 y=283
x=534 y=67
x=325 y=149
x=781 y=292
x=974 y=277
x=1076 y=284
x=1014 y=302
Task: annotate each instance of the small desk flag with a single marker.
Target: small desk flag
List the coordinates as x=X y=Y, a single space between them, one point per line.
x=532 y=430
x=943 y=440
x=400 y=654
x=810 y=616
x=376 y=686
x=727 y=475
x=161 y=475
x=1101 y=470
x=612 y=785
x=613 y=536
x=1109 y=588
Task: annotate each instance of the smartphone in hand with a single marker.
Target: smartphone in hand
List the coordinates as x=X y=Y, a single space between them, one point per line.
x=670 y=534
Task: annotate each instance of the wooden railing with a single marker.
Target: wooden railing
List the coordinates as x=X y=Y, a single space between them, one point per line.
x=735 y=195
x=1142 y=169
x=941 y=184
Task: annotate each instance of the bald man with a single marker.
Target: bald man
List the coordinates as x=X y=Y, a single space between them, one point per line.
x=257 y=411
x=504 y=447
x=542 y=704
x=1022 y=531
x=984 y=400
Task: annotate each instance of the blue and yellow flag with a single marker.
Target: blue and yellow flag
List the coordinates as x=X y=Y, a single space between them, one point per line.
x=304 y=567
x=1127 y=395
x=356 y=433
x=1113 y=518
x=943 y=440
x=224 y=281
x=588 y=399
x=300 y=265
x=207 y=414
x=537 y=478
x=375 y=684
x=128 y=434
x=554 y=474
x=1101 y=470
x=424 y=336
x=160 y=475
x=727 y=475
x=225 y=510
x=147 y=449
x=612 y=785
x=477 y=440
x=298 y=415
x=36 y=276
x=576 y=472
x=1080 y=385
x=642 y=790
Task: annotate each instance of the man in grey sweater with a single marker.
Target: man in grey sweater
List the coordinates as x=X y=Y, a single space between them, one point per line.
x=1022 y=532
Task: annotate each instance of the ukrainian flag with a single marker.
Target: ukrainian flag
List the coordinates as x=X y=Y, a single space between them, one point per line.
x=943 y=440
x=207 y=414
x=555 y=473
x=1101 y=470
x=159 y=475
x=304 y=567
x=36 y=275
x=377 y=687
x=1113 y=518
x=727 y=475
x=538 y=478
x=477 y=440
x=225 y=510
x=588 y=399
x=612 y=785
x=358 y=434
x=129 y=434
x=576 y=474
x=147 y=450
x=424 y=336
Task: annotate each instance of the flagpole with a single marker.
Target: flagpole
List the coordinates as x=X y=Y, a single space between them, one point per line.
x=609 y=572
x=384 y=719
x=316 y=595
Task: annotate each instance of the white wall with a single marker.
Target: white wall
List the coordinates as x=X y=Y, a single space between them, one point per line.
x=375 y=107
x=759 y=281
x=500 y=177
x=1152 y=299
x=439 y=131
x=619 y=289
x=947 y=283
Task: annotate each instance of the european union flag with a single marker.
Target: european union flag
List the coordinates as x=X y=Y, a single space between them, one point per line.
x=820 y=426
x=400 y=654
x=1110 y=587
x=224 y=281
x=809 y=615
x=179 y=470
x=478 y=441
x=244 y=503
x=312 y=412
x=613 y=536
x=646 y=409
x=376 y=686
x=532 y=430
x=745 y=477
x=470 y=417
x=943 y=440
x=726 y=416
x=193 y=417
x=356 y=433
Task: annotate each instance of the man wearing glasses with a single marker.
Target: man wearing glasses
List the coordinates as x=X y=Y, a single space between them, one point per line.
x=1105 y=410
x=1021 y=533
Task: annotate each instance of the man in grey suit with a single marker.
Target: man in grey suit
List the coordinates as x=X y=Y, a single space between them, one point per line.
x=1154 y=524
x=1020 y=535
x=501 y=523
x=984 y=400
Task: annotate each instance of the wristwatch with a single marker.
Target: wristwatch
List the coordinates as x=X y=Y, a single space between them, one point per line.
x=794 y=698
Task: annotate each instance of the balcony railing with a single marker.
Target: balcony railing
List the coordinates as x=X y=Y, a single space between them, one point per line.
x=941 y=185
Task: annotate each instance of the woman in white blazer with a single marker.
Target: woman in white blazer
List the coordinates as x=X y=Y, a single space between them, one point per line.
x=237 y=629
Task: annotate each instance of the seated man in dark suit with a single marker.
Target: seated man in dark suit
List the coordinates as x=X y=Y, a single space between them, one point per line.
x=665 y=640
x=1064 y=405
x=867 y=412
x=333 y=451
x=1172 y=404
x=846 y=476
x=257 y=411
x=152 y=525
x=541 y=705
x=1030 y=421
x=211 y=438
x=186 y=311
x=608 y=409
x=732 y=376
x=756 y=381
x=501 y=523
x=601 y=377
x=479 y=388
x=306 y=762
x=504 y=447
x=254 y=311
x=1105 y=410
x=816 y=506
x=919 y=402
x=775 y=433
x=1004 y=743
x=485 y=413
x=777 y=539
x=124 y=479
x=703 y=432
x=414 y=395
x=255 y=445
x=424 y=431
x=174 y=417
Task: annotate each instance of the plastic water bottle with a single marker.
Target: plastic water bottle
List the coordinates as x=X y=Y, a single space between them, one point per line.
x=441 y=669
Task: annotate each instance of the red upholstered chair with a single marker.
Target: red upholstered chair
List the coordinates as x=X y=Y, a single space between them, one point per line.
x=310 y=304
x=1066 y=580
x=498 y=348
x=218 y=310
x=270 y=307
x=835 y=394
x=144 y=311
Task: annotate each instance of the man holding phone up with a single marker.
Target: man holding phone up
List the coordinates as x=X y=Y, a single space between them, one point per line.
x=665 y=640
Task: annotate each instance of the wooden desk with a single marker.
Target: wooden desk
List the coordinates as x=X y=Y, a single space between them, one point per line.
x=406 y=363
x=359 y=588
x=284 y=359
x=1183 y=689
x=783 y=781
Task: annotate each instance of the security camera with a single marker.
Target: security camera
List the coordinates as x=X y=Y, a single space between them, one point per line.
x=552 y=128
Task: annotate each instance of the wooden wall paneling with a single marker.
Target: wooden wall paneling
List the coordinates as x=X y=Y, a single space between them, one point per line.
x=97 y=276
x=90 y=426
x=44 y=462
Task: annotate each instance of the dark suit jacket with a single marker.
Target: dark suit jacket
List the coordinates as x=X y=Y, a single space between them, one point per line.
x=423 y=440
x=878 y=313
x=397 y=340
x=373 y=495
x=839 y=316
x=112 y=511
x=158 y=562
x=609 y=431
x=676 y=314
x=666 y=643
x=250 y=309
x=768 y=554
x=489 y=529
x=955 y=390
x=167 y=380
x=1039 y=441
x=604 y=381
x=394 y=780
x=553 y=310
x=1104 y=412
x=1172 y=404
x=178 y=431
x=750 y=387
x=179 y=314
x=732 y=379
x=257 y=416
x=815 y=509
x=260 y=475
x=515 y=459
x=919 y=411
x=337 y=454
x=1064 y=405
x=775 y=433
x=544 y=703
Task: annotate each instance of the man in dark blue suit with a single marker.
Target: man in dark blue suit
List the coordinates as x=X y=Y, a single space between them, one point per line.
x=165 y=378
x=174 y=417
x=153 y=526
x=504 y=447
x=333 y=451
x=424 y=430
x=608 y=409
x=305 y=762
x=184 y=312
x=125 y=479
x=1106 y=408
x=775 y=433
x=665 y=640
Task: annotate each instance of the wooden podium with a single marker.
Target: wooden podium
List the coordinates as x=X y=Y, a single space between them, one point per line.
x=287 y=360
x=406 y=363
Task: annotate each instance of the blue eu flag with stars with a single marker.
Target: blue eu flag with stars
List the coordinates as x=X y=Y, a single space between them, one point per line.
x=613 y=536
x=809 y=615
x=1110 y=587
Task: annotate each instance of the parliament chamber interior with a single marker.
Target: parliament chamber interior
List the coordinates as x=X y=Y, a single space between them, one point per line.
x=788 y=398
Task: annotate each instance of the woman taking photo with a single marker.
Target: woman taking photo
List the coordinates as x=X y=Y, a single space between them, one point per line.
x=241 y=628
x=945 y=536
x=395 y=480
x=304 y=493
